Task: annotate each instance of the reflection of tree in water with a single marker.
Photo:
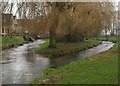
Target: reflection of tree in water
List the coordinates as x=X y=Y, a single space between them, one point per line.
x=56 y=62
x=30 y=55
x=6 y=54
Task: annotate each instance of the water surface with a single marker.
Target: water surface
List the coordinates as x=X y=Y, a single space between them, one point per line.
x=21 y=65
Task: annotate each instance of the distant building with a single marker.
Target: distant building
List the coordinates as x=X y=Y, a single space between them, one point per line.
x=9 y=24
x=14 y=24
x=22 y=26
x=32 y=26
x=6 y=23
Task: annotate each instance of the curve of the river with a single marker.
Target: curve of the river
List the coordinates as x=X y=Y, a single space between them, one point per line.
x=20 y=65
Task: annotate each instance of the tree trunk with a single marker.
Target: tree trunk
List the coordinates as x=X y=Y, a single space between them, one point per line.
x=52 y=38
x=52 y=32
x=106 y=35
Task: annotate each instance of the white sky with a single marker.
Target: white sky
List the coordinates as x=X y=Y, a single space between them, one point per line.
x=15 y=7
x=60 y=0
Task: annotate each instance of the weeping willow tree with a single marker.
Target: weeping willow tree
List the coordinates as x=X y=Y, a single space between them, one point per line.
x=66 y=21
x=84 y=20
x=56 y=10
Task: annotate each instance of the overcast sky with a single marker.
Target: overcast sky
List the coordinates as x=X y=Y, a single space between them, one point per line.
x=15 y=7
x=61 y=0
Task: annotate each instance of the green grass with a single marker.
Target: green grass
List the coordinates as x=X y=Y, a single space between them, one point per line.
x=65 y=48
x=6 y=41
x=110 y=38
x=98 y=69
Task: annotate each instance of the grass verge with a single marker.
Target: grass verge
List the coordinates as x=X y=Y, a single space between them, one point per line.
x=11 y=41
x=65 y=48
x=110 y=38
x=98 y=69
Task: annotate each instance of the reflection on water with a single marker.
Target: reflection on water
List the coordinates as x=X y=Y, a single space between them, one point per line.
x=24 y=64
x=59 y=61
x=20 y=65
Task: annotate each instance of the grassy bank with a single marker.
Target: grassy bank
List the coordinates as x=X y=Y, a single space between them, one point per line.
x=65 y=48
x=98 y=69
x=11 y=41
x=110 y=38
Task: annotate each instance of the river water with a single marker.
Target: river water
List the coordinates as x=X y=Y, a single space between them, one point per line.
x=21 y=65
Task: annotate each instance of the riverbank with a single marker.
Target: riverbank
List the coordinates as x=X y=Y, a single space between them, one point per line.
x=65 y=48
x=113 y=38
x=11 y=41
x=98 y=69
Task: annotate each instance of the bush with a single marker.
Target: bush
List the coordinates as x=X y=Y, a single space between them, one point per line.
x=73 y=36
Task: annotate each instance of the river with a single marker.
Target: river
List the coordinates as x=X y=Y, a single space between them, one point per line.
x=21 y=65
